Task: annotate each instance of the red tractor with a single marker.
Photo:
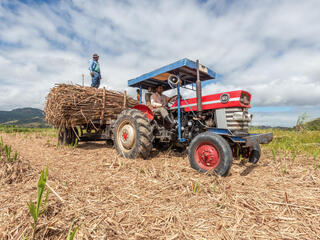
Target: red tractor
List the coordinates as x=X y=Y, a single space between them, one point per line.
x=214 y=128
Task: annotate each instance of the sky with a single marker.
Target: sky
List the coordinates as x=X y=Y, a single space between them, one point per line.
x=270 y=48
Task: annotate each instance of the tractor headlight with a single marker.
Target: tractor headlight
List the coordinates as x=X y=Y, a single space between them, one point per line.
x=245 y=99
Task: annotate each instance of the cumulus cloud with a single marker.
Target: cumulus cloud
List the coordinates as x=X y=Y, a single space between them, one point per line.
x=270 y=48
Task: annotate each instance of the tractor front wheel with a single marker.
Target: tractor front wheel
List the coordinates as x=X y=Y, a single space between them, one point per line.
x=210 y=152
x=132 y=134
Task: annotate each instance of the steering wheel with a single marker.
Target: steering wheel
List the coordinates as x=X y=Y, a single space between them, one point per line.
x=171 y=100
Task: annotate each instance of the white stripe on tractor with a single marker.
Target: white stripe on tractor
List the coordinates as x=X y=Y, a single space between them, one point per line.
x=207 y=103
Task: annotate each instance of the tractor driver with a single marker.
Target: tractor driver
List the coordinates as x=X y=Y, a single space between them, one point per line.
x=158 y=103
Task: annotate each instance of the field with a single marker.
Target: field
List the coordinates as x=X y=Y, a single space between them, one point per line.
x=109 y=197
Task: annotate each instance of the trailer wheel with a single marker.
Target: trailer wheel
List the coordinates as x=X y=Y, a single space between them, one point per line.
x=66 y=136
x=161 y=146
x=255 y=154
x=62 y=136
x=210 y=152
x=132 y=134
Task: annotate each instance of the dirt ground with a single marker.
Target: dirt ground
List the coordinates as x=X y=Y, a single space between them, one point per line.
x=110 y=197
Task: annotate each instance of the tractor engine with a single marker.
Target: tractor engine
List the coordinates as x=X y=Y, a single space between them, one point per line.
x=228 y=110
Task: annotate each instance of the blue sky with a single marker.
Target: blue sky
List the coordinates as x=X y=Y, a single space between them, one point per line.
x=269 y=48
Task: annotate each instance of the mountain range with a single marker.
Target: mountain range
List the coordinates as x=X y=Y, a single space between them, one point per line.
x=27 y=117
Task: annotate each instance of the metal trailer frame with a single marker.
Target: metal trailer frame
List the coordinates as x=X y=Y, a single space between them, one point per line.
x=191 y=73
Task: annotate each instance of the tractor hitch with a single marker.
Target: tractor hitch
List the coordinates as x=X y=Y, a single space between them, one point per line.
x=264 y=138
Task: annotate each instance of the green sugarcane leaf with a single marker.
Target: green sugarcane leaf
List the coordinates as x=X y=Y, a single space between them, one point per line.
x=24 y=237
x=47 y=196
x=45 y=202
x=74 y=233
x=39 y=201
x=69 y=232
x=32 y=211
x=41 y=186
x=15 y=156
x=6 y=150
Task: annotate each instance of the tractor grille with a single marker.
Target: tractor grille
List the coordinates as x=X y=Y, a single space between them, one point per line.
x=237 y=119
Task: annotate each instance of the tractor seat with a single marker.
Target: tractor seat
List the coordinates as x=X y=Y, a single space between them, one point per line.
x=147 y=98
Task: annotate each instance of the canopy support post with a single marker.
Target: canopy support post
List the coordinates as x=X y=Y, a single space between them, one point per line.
x=140 y=94
x=179 y=112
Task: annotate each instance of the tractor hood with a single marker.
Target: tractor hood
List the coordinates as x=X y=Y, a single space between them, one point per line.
x=237 y=98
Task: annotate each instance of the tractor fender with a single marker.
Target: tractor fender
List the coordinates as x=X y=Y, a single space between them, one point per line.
x=144 y=109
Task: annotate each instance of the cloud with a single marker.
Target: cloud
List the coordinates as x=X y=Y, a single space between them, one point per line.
x=284 y=118
x=270 y=48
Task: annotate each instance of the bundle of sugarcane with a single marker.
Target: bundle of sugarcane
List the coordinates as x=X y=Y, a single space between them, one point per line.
x=74 y=105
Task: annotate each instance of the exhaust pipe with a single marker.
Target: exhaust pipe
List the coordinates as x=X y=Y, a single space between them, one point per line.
x=198 y=90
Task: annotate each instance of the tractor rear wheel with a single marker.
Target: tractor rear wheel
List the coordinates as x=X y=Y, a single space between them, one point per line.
x=210 y=152
x=132 y=134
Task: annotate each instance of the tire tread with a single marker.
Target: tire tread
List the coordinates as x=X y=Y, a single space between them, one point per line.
x=144 y=133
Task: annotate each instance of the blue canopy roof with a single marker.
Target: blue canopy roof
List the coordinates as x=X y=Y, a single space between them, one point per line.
x=185 y=68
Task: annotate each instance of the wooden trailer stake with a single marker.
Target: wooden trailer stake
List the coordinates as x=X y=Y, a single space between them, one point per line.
x=103 y=106
x=125 y=99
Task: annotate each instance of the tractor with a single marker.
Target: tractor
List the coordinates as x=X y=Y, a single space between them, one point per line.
x=214 y=128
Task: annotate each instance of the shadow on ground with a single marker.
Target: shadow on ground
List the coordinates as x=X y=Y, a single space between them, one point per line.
x=94 y=145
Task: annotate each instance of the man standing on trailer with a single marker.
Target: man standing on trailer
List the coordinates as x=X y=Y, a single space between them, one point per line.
x=158 y=103
x=94 y=69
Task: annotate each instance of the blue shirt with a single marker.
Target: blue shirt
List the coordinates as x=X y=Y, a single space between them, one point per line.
x=94 y=66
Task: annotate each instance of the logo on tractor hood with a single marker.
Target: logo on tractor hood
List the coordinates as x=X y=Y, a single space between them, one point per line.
x=224 y=98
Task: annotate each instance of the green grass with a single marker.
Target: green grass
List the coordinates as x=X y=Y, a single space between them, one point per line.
x=15 y=129
x=5 y=152
x=35 y=208
x=28 y=130
x=72 y=232
x=296 y=142
x=313 y=125
x=195 y=187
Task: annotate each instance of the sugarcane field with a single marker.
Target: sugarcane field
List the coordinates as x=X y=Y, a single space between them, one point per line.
x=165 y=120
x=111 y=197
